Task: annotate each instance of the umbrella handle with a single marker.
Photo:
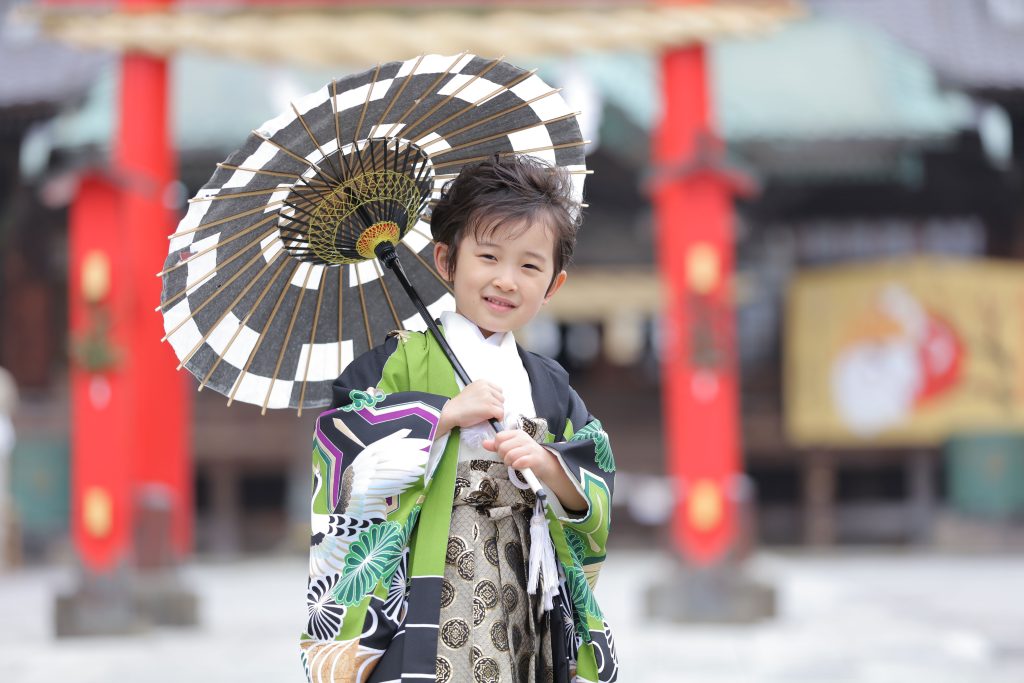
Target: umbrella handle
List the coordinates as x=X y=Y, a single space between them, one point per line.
x=389 y=257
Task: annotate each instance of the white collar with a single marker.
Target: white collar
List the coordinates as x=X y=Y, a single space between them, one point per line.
x=461 y=331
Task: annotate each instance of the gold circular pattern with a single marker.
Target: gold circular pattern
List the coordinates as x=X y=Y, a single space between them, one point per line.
x=509 y=597
x=456 y=546
x=485 y=670
x=466 y=565
x=479 y=611
x=455 y=633
x=491 y=550
x=447 y=593
x=488 y=592
x=499 y=636
x=442 y=670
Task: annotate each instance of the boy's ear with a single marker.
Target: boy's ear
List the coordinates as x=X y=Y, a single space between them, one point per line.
x=441 y=259
x=556 y=285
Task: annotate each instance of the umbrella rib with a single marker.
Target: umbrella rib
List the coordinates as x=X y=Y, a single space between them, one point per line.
x=387 y=294
x=337 y=127
x=312 y=338
x=504 y=133
x=316 y=169
x=428 y=267
x=362 y=303
x=287 y=337
x=234 y=195
x=586 y=171
x=401 y=89
x=216 y=291
x=412 y=126
x=315 y=141
x=366 y=105
x=195 y=255
x=426 y=91
x=221 y=266
x=227 y=309
x=494 y=93
x=259 y=340
x=493 y=116
x=467 y=160
x=219 y=221
x=263 y=171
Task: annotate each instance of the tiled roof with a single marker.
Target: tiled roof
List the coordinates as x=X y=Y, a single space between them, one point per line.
x=976 y=44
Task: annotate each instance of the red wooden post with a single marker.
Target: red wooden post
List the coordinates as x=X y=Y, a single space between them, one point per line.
x=145 y=160
x=101 y=470
x=693 y=212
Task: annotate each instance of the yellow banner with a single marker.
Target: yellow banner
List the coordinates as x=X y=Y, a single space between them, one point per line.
x=904 y=352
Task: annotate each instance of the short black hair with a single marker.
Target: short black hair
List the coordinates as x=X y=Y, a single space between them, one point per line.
x=501 y=190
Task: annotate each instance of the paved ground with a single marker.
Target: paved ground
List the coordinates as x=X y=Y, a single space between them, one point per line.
x=845 y=618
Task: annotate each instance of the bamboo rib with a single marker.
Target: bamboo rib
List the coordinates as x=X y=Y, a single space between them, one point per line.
x=219 y=221
x=412 y=126
x=366 y=105
x=362 y=304
x=312 y=338
x=287 y=337
x=504 y=133
x=216 y=245
x=401 y=89
x=263 y=171
x=316 y=169
x=494 y=93
x=449 y=135
x=316 y=142
x=242 y=323
x=262 y=336
x=227 y=309
x=426 y=91
x=221 y=266
x=235 y=195
x=469 y=160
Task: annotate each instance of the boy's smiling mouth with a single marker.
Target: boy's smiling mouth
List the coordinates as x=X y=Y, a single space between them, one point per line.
x=499 y=303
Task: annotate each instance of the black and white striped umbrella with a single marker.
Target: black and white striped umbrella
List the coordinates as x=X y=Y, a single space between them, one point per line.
x=271 y=286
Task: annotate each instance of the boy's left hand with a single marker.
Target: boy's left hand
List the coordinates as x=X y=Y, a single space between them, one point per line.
x=518 y=449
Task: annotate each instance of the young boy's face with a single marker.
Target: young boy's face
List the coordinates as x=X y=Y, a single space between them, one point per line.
x=502 y=279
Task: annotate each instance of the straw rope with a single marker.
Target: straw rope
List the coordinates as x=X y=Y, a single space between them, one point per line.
x=311 y=37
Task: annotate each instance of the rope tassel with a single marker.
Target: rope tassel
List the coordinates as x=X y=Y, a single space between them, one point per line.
x=543 y=570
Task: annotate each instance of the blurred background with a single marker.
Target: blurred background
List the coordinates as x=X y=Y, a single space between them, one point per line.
x=797 y=306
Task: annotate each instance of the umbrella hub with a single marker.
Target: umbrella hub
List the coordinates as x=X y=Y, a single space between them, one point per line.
x=383 y=189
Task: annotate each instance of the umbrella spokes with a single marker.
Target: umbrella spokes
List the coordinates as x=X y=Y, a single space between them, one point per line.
x=384 y=186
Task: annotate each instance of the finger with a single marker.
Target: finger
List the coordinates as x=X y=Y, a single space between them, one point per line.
x=488 y=444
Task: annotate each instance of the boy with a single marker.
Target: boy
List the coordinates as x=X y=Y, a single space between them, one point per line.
x=418 y=564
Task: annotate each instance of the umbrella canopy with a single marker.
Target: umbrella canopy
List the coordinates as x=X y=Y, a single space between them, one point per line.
x=271 y=286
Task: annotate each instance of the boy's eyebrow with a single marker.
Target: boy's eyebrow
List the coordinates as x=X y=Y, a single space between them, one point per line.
x=532 y=254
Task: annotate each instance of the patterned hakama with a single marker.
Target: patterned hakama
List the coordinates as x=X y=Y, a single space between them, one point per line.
x=489 y=630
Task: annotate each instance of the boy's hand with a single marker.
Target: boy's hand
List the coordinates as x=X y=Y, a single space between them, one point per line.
x=478 y=402
x=518 y=449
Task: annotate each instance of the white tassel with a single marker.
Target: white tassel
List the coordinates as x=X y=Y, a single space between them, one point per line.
x=543 y=570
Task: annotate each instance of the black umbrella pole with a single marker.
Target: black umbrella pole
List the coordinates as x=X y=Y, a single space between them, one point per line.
x=389 y=257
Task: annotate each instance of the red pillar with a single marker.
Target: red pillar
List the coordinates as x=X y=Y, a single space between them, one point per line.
x=145 y=161
x=693 y=213
x=101 y=473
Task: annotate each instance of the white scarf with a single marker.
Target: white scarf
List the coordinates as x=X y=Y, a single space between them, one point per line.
x=495 y=359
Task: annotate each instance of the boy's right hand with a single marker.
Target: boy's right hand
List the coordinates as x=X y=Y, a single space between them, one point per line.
x=478 y=402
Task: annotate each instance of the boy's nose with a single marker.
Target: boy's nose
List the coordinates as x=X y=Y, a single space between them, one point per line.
x=504 y=283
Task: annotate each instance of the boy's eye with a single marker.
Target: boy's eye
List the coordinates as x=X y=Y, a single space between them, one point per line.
x=531 y=265
x=489 y=257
